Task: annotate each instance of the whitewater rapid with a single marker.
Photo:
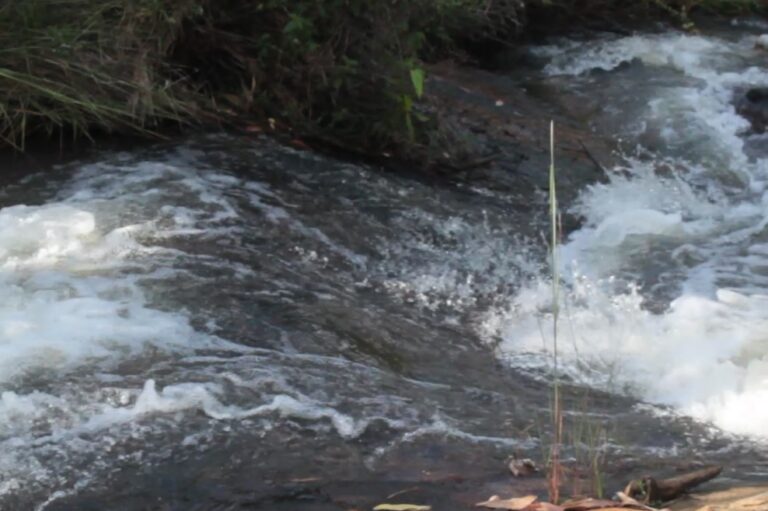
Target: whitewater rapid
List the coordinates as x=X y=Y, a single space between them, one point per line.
x=224 y=296
x=681 y=227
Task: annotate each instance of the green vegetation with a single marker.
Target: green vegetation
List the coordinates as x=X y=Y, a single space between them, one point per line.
x=75 y=65
x=348 y=72
x=593 y=12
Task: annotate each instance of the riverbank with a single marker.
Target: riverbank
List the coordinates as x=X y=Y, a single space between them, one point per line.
x=352 y=77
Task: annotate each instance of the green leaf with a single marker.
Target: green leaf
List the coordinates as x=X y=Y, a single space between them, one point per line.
x=407 y=108
x=417 y=79
x=401 y=507
x=407 y=104
x=295 y=24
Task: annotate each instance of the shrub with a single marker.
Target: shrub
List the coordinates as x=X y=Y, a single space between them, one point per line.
x=346 y=71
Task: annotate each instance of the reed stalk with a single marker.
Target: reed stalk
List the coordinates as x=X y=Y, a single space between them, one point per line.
x=555 y=469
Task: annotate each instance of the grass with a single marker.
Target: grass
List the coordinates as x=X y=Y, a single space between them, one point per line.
x=555 y=469
x=71 y=66
x=346 y=73
x=585 y=436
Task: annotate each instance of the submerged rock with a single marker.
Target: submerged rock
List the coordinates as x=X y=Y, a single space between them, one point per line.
x=754 y=107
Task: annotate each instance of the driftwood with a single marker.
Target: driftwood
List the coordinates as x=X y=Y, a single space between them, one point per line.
x=648 y=489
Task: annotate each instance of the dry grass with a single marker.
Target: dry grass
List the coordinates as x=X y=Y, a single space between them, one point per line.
x=332 y=69
x=67 y=66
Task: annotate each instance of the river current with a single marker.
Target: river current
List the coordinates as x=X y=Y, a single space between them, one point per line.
x=194 y=318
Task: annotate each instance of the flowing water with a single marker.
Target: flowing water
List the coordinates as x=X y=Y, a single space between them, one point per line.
x=191 y=322
x=681 y=229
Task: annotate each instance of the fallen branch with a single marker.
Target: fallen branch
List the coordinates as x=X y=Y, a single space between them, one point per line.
x=648 y=489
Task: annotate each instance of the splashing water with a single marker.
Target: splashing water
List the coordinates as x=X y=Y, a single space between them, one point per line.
x=681 y=229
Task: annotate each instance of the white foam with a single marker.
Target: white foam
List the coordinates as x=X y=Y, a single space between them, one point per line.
x=74 y=303
x=702 y=114
x=454 y=263
x=87 y=320
x=193 y=396
x=677 y=50
x=20 y=413
x=66 y=298
x=42 y=235
x=707 y=354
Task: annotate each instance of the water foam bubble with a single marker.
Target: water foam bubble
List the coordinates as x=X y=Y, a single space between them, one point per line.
x=691 y=223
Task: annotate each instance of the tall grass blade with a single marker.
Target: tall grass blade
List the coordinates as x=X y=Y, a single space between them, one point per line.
x=557 y=416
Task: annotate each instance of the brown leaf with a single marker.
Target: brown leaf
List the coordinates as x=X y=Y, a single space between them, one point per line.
x=517 y=504
x=755 y=502
x=626 y=499
x=629 y=502
x=546 y=506
x=586 y=504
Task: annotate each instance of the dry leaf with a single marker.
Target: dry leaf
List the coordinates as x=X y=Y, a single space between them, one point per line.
x=585 y=504
x=517 y=504
x=628 y=501
x=546 y=506
x=401 y=507
x=757 y=502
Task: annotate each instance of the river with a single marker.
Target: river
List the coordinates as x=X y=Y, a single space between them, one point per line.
x=194 y=324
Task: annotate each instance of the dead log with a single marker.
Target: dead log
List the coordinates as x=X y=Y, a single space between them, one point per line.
x=647 y=489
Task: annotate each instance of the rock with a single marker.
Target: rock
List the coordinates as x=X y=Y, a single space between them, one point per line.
x=754 y=107
x=522 y=467
x=505 y=122
x=757 y=95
